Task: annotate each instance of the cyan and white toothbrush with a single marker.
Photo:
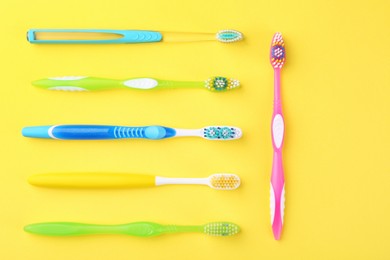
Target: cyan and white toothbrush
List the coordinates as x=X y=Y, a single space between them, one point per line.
x=82 y=83
x=99 y=132
x=106 y=36
x=277 y=58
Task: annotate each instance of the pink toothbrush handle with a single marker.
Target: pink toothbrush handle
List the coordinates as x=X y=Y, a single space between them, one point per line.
x=277 y=195
x=277 y=177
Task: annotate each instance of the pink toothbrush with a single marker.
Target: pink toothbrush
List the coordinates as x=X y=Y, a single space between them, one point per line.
x=277 y=58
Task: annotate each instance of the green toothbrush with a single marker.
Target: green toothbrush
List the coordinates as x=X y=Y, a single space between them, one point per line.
x=140 y=229
x=81 y=83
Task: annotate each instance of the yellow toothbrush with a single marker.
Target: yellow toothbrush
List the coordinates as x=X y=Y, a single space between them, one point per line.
x=220 y=181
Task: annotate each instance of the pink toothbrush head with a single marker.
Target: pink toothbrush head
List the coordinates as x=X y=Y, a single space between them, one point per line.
x=278 y=53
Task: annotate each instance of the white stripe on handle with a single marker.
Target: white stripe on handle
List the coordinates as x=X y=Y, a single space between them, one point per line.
x=282 y=204
x=278 y=130
x=272 y=203
x=141 y=83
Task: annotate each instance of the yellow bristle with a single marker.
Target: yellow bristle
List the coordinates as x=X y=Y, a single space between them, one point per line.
x=225 y=181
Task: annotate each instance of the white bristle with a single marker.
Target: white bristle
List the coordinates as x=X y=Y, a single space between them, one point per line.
x=238 y=38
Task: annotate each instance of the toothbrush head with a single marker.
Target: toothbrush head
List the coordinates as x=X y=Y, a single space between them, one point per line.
x=278 y=53
x=221 y=229
x=221 y=84
x=221 y=132
x=224 y=181
x=228 y=36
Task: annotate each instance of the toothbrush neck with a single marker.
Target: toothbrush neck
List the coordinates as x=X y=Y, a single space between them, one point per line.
x=175 y=84
x=166 y=180
x=176 y=229
x=277 y=98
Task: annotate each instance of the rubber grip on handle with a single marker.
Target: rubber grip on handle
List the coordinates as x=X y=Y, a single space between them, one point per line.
x=127 y=36
x=97 y=132
x=92 y=180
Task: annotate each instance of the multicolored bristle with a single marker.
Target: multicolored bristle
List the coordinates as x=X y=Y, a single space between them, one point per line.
x=221 y=229
x=221 y=133
x=278 y=53
x=228 y=36
x=221 y=84
x=224 y=181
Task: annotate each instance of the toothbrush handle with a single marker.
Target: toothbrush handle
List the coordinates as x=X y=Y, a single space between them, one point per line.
x=97 y=132
x=277 y=178
x=92 y=180
x=71 y=229
x=81 y=83
x=140 y=229
x=277 y=195
x=78 y=83
x=127 y=36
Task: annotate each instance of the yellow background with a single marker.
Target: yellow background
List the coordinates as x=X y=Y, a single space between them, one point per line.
x=336 y=97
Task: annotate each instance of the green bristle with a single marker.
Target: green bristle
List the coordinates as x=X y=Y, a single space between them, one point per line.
x=221 y=84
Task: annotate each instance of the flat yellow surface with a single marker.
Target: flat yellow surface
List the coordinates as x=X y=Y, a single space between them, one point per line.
x=336 y=98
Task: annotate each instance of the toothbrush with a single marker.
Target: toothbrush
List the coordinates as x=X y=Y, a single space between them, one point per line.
x=277 y=58
x=220 y=181
x=102 y=36
x=81 y=83
x=100 y=132
x=139 y=229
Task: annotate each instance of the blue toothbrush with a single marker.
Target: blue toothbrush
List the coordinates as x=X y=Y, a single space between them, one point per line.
x=100 y=132
x=103 y=36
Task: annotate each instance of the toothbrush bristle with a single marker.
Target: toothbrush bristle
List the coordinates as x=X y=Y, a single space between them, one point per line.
x=221 y=84
x=224 y=181
x=221 y=229
x=228 y=36
x=221 y=132
x=278 y=53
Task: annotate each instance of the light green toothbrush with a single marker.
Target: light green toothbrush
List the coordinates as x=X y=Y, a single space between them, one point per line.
x=140 y=229
x=81 y=83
